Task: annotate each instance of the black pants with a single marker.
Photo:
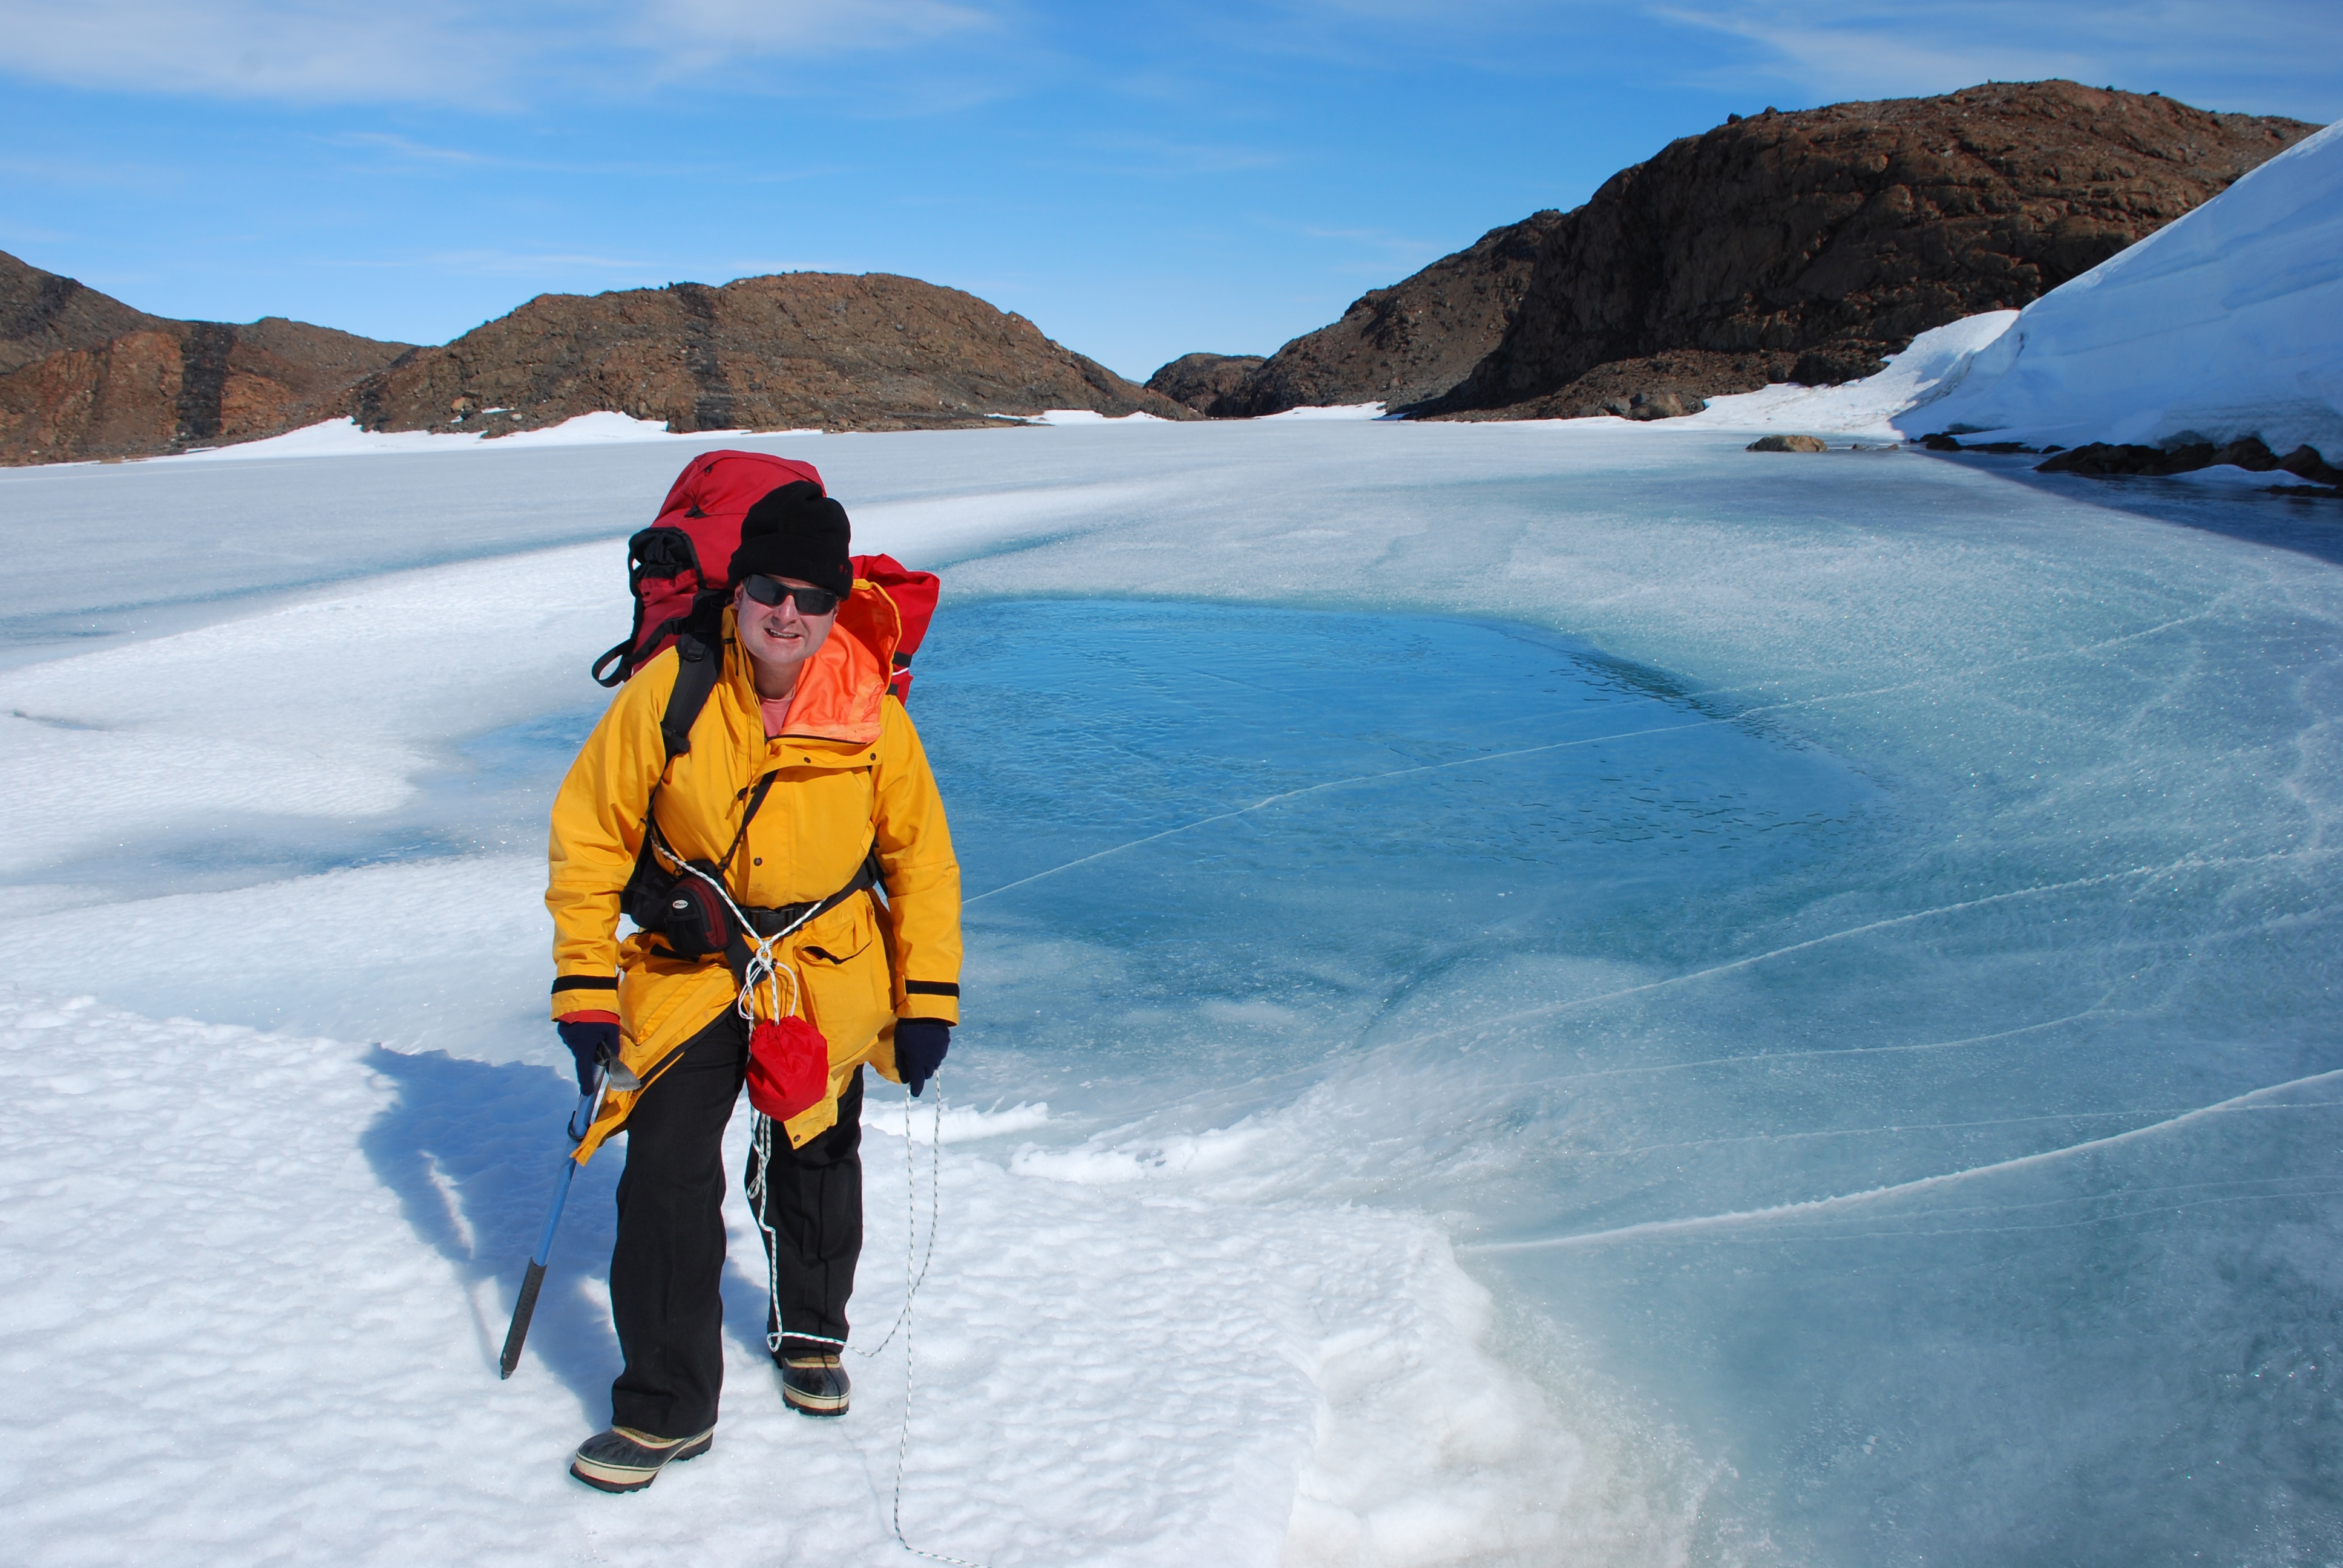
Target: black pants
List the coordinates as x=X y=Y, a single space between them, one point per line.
x=667 y=1266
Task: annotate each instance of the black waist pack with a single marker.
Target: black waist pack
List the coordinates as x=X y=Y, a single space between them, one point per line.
x=678 y=907
x=695 y=922
x=687 y=910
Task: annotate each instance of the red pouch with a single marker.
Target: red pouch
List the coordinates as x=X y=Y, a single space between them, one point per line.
x=789 y=1068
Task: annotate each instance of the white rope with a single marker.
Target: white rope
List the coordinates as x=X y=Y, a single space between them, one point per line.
x=916 y=1261
x=910 y=1289
x=762 y=959
x=915 y=1275
x=771 y=968
x=914 y=1281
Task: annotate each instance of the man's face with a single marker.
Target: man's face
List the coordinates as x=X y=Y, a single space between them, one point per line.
x=779 y=637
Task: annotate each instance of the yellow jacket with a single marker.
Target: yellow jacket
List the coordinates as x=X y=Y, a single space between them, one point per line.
x=851 y=776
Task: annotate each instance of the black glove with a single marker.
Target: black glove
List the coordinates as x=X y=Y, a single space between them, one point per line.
x=920 y=1047
x=589 y=1044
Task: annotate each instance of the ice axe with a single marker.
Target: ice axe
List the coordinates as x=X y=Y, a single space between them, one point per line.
x=608 y=1074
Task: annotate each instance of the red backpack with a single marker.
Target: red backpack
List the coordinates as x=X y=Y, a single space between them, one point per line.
x=676 y=568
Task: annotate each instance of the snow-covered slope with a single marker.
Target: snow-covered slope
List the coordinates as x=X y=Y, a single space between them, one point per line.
x=1936 y=362
x=2227 y=323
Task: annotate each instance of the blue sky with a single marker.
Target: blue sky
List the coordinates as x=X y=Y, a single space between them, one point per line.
x=1140 y=179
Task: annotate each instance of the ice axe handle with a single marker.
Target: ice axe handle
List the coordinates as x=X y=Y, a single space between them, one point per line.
x=532 y=1279
x=523 y=1310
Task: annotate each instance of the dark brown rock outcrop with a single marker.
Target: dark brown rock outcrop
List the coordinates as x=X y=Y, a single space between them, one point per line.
x=83 y=374
x=795 y=350
x=1201 y=380
x=1805 y=246
x=2103 y=459
x=42 y=314
x=1407 y=342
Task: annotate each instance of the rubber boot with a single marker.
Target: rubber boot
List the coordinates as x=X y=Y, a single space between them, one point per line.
x=814 y=1384
x=625 y=1460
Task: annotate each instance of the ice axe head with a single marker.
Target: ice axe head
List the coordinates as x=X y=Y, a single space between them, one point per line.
x=617 y=1074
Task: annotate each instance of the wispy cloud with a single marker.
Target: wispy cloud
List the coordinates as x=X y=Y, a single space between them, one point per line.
x=696 y=33
x=1148 y=156
x=1376 y=249
x=2220 y=54
x=458 y=54
x=495 y=263
x=2274 y=56
x=437 y=51
x=580 y=269
x=406 y=148
x=18 y=236
x=298 y=50
x=81 y=173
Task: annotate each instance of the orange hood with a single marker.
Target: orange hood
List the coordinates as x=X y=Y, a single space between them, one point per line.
x=839 y=693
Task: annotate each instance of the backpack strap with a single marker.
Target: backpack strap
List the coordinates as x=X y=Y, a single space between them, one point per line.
x=699 y=666
x=611 y=667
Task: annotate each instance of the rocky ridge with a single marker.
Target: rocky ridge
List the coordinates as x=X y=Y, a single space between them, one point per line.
x=1407 y=342
x=790 y=351
x=1781 y=248
x=1201 y=380
x=84 y=375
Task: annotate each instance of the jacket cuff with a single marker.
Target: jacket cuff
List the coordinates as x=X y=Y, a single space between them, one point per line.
x=576 y=994
x=938 y=1000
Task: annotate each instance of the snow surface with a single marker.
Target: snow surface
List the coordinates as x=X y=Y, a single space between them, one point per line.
x=1331 y=411
x=1091 y=416
x=1556 y=992
x=343 y=437
x=1934 y=362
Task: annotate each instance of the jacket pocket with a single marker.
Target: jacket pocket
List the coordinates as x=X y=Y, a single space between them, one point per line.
x=847 y=984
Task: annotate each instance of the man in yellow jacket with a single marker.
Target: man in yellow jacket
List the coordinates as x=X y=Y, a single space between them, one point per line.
x=753 y=859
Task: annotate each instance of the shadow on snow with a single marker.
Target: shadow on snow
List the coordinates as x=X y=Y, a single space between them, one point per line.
x=473 y=1149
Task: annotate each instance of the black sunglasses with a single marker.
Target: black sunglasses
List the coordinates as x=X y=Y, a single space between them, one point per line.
x=772 y=591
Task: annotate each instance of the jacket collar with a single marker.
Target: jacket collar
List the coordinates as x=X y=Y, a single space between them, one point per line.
x=841 y=690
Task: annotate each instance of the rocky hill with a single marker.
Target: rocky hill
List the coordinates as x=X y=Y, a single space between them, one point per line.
x=1798 y=247
x=1407 y=342
x=42 y=314
x=83 y=374
x=792 y=351
x=1201 y=380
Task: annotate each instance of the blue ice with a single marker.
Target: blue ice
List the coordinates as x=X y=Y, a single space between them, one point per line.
x=1970 y=1204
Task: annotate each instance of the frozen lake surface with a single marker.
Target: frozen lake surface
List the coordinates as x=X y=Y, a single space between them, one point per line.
x=1536 y=994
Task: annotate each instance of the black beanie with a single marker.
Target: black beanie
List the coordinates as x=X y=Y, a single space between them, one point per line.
x=796 y=531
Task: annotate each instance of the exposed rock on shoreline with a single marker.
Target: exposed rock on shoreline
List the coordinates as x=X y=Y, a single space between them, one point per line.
x=2103 y=459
